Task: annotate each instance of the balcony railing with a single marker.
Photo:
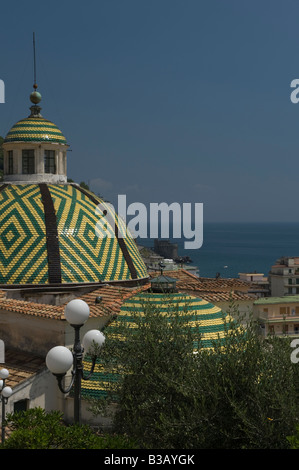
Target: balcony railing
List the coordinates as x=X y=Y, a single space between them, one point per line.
x=279 y=318
x=283 y=333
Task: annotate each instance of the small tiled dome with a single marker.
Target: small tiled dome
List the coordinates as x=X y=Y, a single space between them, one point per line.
x=203 y=317
x=35 y=129
x=49 y=237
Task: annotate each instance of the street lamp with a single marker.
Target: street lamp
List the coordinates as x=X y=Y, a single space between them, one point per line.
x=60 y=359
x=5 y=394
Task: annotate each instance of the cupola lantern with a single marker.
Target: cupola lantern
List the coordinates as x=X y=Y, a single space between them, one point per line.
x=35 y=149
x=163 y=283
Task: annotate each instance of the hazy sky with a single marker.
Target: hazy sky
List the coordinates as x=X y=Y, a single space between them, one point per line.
x=166 y=100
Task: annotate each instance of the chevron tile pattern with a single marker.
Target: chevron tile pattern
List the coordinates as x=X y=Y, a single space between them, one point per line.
x=33 y=217
x=35 y=129
x=23 y=251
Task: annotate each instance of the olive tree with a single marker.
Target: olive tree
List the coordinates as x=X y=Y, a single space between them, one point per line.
x=241 y=393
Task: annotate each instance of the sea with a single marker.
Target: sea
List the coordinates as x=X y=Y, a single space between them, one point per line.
x=233 y=248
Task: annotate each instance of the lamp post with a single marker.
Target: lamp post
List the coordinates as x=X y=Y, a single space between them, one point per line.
x=60 y=359
x=5 y=394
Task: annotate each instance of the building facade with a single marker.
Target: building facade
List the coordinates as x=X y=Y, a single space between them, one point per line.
x=284 y=277
x=278 y=315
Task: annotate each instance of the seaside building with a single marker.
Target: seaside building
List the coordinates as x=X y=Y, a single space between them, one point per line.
x=278 y=315
x=152 y=258
x=253 y=277
x=166 y=249
x=259 y=283
x=284 y=277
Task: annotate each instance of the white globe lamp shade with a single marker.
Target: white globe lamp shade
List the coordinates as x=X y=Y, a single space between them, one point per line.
x=4 y=373
x=92 y=337
x=76 y=312
x=6 y=392
x=59 y=360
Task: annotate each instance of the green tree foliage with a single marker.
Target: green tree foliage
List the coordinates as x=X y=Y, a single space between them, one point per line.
x=243 y=395
x=36 y=429
x=294 y=439
x=82 y=184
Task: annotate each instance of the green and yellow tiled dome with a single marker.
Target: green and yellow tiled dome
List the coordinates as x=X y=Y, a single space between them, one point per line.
x=35 y=129
x=202 y=317
x=49 y=235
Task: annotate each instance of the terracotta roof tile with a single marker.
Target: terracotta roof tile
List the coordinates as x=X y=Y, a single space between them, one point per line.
x=31 y=308
x=210 y=289
x=21 y=366
x=112 y=298
x=215 y=297
x=186 y=279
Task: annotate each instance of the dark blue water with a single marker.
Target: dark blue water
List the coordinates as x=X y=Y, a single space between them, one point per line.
x=242 y=247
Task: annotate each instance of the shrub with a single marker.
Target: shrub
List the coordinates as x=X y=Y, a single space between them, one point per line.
x=36 y=429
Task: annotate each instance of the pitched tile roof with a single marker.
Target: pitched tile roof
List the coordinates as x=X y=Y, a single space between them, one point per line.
x=210 y=289
x=112 y=299
x=113 y=296
x=21 y=366
x=187 y=279
x=215 y=297
x=31 y=308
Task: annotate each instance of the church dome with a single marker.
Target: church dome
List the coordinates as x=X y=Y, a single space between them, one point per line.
x=35 y=129
x=54 y=233
x=49 y=236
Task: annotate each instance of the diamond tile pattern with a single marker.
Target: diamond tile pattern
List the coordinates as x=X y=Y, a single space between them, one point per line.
x=31 y=223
